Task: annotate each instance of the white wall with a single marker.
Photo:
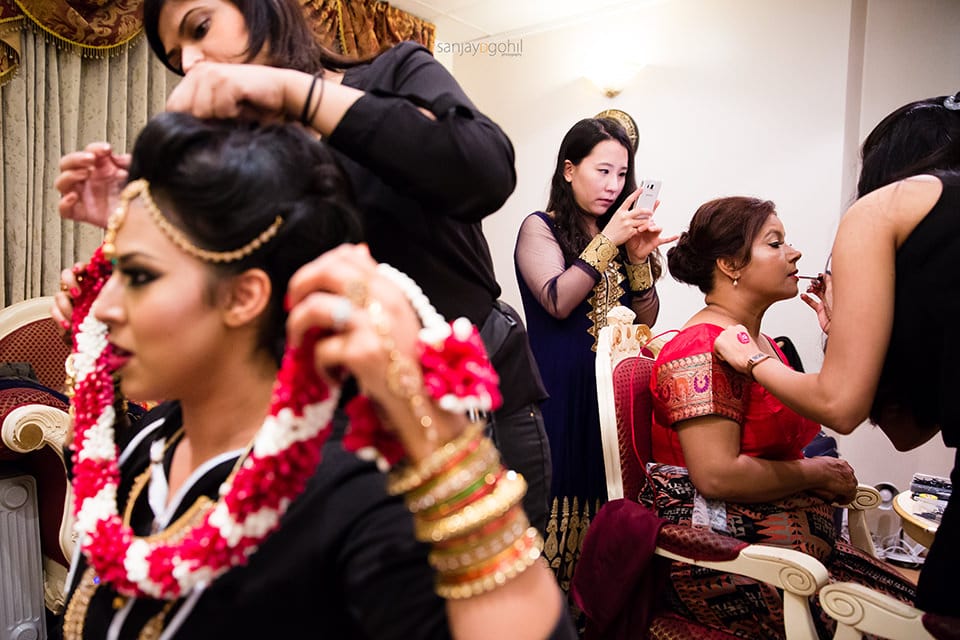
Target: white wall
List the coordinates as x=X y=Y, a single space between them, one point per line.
x=740 y=97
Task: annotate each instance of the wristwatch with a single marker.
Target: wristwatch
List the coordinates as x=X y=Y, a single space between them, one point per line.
x=754 y=360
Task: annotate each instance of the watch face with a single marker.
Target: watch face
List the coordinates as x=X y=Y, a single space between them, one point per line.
x=757 y=357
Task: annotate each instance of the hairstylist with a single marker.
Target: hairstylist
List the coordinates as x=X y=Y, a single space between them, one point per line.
x=425 y=166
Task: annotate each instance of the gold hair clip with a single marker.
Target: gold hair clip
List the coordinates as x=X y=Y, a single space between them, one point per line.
x=142 y=188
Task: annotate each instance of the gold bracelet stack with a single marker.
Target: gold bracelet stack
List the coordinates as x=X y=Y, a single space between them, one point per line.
x=599 y=253
x=468 y=506
x=639 y=275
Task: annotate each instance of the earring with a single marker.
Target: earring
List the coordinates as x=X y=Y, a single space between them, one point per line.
x=736 y=281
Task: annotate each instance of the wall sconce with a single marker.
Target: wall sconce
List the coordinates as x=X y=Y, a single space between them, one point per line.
x=612 y=77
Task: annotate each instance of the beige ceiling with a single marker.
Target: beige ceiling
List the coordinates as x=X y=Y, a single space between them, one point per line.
x=464 y=20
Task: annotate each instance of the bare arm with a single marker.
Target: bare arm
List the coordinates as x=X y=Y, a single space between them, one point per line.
x=711 y=448
x=864 y=257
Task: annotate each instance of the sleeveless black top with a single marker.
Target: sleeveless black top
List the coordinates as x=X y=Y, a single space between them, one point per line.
x=922 y=369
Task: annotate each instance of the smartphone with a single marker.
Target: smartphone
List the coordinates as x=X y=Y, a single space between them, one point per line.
x=648 y=197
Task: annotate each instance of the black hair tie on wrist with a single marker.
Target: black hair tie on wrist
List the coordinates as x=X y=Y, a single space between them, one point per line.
x=316 y=107
x=306 y=105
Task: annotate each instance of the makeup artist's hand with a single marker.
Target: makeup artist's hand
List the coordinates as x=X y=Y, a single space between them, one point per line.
x=821 y=299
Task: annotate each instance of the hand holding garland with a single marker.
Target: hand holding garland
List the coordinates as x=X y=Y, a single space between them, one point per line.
x=346 y=281
x=486 y=556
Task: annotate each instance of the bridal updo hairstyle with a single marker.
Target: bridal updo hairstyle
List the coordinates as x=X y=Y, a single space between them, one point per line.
x=722 y=228
x=222 y=183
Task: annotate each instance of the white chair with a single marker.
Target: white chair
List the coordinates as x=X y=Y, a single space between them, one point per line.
x=624 y=365
x=859 y=609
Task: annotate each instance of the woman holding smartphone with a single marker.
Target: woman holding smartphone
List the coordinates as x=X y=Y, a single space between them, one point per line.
x=591 y=250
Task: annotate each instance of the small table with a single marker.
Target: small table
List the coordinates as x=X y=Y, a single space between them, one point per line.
x=916 y=526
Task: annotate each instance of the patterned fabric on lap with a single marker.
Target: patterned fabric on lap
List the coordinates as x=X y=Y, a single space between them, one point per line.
x=742 y=606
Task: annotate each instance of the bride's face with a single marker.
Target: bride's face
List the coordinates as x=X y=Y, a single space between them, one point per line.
x=161 y=307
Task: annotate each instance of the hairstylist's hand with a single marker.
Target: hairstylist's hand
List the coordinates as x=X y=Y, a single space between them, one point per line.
x=822 y=299
x=838 y=481
x=89 y=183
x=226 y=90
x=624 y=222
x=361 y=313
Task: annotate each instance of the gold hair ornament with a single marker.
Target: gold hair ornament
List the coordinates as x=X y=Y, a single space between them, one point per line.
x=142 y=188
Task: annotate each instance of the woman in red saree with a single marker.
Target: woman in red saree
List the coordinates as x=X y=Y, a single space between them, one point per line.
x=727 y=454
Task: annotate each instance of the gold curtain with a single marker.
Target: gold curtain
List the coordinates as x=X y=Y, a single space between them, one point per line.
x=92 y=28
x=364 y=27
x=59 y=102
x=53 y=101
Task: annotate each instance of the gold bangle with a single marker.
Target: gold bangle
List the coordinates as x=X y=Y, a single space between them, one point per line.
x=411 y=477
x=528 y=550
x=483 y=461
x=639 y=275
x=507 y=494
x=476 y=552
x=599 y=253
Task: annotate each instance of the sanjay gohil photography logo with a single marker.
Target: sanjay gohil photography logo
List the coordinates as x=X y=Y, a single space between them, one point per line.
x=492 y=48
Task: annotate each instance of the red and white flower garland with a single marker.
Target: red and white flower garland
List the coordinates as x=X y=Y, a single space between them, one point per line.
x=285 y=453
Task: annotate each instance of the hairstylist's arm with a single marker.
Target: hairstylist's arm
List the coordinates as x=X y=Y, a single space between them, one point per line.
x=864 y=257
x=89 y=180
x=711 y=448
x=261 y=93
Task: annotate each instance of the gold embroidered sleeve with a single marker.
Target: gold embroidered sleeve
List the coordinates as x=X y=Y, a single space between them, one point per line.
x=639 y=275
x=698 y=386
x=599 y=253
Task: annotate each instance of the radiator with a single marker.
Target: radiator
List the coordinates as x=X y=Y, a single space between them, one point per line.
x=22 y=613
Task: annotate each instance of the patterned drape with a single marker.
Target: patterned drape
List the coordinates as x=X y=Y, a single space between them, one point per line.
x=364 y=27
x=94 y=28
x=91 y=28
x=53 y=101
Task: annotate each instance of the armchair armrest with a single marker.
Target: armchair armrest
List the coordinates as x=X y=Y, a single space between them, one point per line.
x=29 y=428
x=799 y=575
x=867 y=498
x=859 y=609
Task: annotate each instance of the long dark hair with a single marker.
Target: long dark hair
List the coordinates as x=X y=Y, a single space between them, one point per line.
x=722 y=228
x=919 y=137
x=568 y=218
x=281 y=24
x=222 y=183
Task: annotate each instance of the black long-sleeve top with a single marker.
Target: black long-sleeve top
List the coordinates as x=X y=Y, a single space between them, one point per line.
x=343 y=564
x=423 y=185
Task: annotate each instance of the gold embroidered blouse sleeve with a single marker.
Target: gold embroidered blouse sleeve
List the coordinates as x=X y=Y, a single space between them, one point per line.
x=639 y=275
x=599 y=253
x=699 y=385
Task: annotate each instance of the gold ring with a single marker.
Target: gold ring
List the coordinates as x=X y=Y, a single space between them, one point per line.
x=356 y=292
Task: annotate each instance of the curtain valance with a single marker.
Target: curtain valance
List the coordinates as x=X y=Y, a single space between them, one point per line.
x=95 y=28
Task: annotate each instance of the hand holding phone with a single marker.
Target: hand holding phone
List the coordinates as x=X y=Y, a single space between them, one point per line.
x=648 y=197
